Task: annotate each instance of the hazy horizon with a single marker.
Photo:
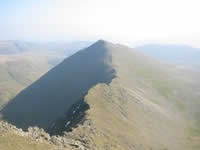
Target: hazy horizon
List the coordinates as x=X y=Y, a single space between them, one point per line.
x=122 y=21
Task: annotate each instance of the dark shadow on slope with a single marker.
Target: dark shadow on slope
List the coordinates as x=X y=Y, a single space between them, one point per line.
x=74 y=116
x=52 y=95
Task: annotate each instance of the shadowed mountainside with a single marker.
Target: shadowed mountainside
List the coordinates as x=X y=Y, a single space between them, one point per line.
x=52 y=95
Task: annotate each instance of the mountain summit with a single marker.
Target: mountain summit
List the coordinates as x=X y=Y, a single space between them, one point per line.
x=53 y=94
x=113 y=96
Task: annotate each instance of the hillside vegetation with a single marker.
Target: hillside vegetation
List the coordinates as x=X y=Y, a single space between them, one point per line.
x=17 y=72
x=112 y=97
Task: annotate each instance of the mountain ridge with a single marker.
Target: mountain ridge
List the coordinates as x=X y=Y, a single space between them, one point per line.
x=114 y=97
x=103 y=74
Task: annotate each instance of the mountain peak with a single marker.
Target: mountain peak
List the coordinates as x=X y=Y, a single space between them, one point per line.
x=102 y=42
x=70 y=82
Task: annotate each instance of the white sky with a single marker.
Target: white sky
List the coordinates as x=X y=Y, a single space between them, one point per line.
x=123 y=21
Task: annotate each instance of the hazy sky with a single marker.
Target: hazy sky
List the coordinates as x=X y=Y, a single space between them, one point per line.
x=124 y=21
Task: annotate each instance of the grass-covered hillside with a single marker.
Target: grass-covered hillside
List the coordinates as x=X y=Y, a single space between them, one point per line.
x=17 y=72
x=113 y=97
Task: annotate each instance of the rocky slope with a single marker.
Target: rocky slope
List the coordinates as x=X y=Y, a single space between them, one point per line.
x=37 y=139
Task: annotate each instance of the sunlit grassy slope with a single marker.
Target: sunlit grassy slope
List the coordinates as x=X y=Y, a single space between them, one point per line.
x=134 y=101
x=19 y=71
x=147 y=106
x=10 y=141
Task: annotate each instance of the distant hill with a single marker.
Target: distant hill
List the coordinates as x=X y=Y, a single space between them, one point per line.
x=59 y=48
x=110 y=96
x=14 y=47
x=175 y=54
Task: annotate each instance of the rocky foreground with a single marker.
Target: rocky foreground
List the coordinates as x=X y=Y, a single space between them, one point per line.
x=66 y=141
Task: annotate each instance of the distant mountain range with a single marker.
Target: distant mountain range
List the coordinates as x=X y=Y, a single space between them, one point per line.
x=57 y=48
x=175 y=54
x=109 y=96
x=14 y=47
